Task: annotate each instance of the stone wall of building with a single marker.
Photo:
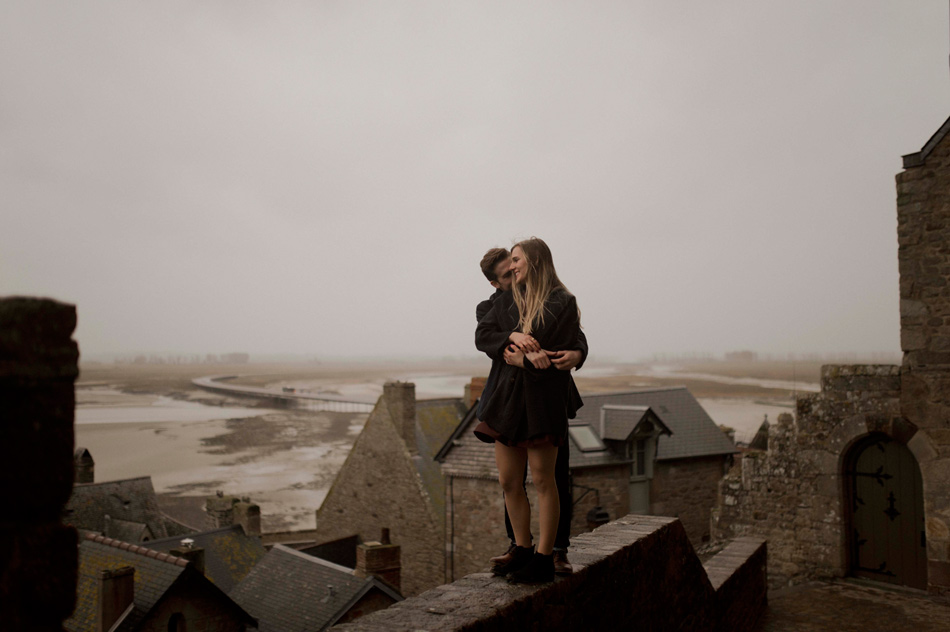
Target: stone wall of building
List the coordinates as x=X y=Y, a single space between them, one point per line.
x=687 y=489
x=639 y=572
x=38 y=554
x=379 y=487
x=606 y=487
x=475 y=524
x=791 y=494
x=923 y=232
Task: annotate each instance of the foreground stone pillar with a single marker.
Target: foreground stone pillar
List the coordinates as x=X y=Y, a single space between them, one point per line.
x=38 y=554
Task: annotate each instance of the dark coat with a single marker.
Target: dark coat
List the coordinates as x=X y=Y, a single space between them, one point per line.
x=528 y=403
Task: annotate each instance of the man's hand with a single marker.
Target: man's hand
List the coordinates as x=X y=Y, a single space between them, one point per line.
x=524 y=341
x=514 y=356
x=539 y=359
x=565 y=360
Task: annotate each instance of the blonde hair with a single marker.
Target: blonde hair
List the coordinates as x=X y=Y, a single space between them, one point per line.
x=539 y=281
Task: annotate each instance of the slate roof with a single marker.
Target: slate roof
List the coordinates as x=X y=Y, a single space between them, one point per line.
x=693 y=432
x=918 y=158
x=131 y=504
x=289 y=591
x=155 y=574
x=619 y=422
x=435 y=421
x=229 y=553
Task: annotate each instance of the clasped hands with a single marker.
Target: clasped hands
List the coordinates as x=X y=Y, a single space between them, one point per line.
x=525 y=346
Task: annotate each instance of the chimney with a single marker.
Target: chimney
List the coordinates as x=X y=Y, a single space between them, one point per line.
x=248 y=515
x=116 y=593
x=380 y=559
x=473 y=390
x=188 y=551
x=84 y=465
x=400 y=399
x=220 y=510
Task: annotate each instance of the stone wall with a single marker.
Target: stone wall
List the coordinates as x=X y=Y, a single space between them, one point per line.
x=38 y=555
x=611 y=485
x=687 y=489
x=791 y=495
x=923 y=232
x=639 y=572
x=379 y=487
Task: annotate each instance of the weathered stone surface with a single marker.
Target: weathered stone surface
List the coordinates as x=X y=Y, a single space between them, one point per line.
x=639 y=572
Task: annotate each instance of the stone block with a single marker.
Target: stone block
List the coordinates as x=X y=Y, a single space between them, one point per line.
x=35 y=340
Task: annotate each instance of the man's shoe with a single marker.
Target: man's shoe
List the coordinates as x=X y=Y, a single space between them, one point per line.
x=561 y=565
x=538 y=570
x=520 y=556
x=504 y=558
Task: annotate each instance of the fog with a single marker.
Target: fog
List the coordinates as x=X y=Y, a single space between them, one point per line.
x=322 y=178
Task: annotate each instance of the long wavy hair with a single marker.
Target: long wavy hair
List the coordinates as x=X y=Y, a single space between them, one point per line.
x=539 y=281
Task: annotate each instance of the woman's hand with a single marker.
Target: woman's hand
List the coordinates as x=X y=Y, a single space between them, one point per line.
x=539 y=359
x=514 y=356
x=524 y=341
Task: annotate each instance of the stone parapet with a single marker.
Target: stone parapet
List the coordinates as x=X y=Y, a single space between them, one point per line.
x=38 y=554
x=638 y=572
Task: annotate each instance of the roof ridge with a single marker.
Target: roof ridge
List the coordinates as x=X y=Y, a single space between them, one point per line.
x=313 y=559
x=118 y=480
x=138 y=550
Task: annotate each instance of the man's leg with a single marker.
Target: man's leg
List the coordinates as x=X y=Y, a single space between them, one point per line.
x=562 y=476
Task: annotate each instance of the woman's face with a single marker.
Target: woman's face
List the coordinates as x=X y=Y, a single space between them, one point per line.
x=519 y=266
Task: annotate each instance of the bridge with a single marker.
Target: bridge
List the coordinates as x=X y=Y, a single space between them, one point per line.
x=285 y=397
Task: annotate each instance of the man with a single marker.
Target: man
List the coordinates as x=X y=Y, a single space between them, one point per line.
x=496 y=266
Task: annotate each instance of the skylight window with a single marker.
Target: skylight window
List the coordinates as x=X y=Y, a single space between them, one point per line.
x=585 y=439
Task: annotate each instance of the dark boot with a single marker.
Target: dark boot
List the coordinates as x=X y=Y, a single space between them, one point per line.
x=504 y=558
x=538 y=571
x=520 y=556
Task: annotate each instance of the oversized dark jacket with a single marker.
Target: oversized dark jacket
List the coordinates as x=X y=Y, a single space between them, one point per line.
x=528 y=403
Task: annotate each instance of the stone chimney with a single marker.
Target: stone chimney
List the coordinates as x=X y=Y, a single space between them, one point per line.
x=380 y=559
x=116 y=593
x=400 y=400
x=248 y=515
x=473 y=390
x=220 y=510
x=85 y=466
x=188 y=551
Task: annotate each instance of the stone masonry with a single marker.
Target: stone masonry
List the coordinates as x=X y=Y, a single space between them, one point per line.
x=791 y=495
x=38 y=554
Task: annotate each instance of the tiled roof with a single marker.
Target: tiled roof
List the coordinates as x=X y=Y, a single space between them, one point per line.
x=155 y=572
x=130 y=503
x=435 y=421
x=693 y=433
x=290 y=591
x=229 y=553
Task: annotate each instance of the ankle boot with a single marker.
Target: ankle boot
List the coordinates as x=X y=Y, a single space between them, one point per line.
x=520 y=556
x=537 y=571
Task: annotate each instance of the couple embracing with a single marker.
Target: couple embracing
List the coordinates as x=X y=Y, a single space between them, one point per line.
x=530 y=328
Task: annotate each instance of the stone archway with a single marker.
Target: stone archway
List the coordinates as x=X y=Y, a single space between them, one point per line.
x=884 y=501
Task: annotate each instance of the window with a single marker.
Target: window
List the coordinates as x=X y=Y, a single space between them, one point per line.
x=176 y=623
x=641 y=457
x=585 y=439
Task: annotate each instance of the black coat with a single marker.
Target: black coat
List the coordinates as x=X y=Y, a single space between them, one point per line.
x=529 y=403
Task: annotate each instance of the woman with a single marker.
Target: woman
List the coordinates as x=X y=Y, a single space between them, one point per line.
x=526 y=414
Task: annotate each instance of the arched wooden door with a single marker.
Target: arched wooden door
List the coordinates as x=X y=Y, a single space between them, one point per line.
x=887 y=513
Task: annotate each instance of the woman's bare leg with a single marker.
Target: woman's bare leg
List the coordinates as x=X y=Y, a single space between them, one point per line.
x=542 y=462
x=511 y=464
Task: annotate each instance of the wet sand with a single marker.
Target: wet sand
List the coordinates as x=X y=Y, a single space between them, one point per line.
x=286 y=460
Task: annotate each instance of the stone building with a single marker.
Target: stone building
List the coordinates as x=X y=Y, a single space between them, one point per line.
x=648 y=452
x=390 y=481
x=128 y=588
x=858 y=482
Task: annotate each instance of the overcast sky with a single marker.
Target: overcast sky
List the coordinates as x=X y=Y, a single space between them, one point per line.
x=322 y=178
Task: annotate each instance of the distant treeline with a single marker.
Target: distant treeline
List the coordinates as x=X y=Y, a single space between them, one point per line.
x=208 y=358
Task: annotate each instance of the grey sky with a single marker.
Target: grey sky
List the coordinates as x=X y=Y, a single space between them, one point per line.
x=323 y=177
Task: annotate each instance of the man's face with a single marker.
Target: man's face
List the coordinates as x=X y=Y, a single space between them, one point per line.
x=503 y=274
